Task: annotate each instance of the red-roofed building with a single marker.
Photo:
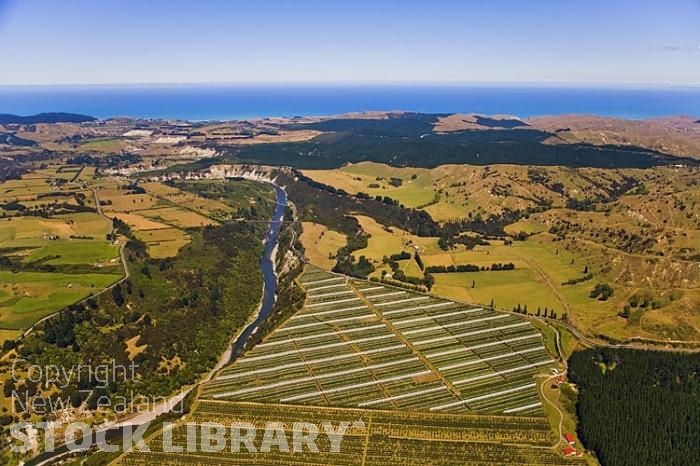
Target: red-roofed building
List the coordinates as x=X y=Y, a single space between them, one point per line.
x=569 y=438
x=568 y=451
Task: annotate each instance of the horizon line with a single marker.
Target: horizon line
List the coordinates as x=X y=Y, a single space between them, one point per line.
x=273 y=83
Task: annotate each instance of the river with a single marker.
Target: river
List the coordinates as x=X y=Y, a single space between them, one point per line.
x=267 y=265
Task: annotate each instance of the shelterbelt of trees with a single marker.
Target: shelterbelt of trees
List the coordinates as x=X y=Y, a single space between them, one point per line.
x=638 y=408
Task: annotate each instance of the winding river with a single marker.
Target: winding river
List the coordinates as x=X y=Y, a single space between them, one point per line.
x=267 y=265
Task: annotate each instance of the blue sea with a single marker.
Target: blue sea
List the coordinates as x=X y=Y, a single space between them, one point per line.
x=219 y=102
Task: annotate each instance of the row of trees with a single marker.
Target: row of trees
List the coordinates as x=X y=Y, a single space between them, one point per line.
x=469 y=268
x=546 y=313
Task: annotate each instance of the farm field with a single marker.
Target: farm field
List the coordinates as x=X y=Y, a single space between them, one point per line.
x=385 y=241
x=24 y=189
x=175 y=196
x=157 y=222
x=364 y=345
x=52 y=259
x=374 y=178
x=527 y=225
x=381 y=438
x=118 y=200
x=163 y=242
x=26 y=297
x=506 y=288
x=16 y=230
x=544 y=269
x=94 y=253
x=77 y=239
x=161 y=215
x=109 y=145
x=178 y=217
x=541 y=268
x=320 y=244
x=9 y=334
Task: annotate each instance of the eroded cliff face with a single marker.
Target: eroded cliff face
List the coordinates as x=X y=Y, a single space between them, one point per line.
x=250 y=172
x=219 y=172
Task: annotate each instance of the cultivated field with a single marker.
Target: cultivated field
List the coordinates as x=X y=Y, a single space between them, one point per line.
x=419 y=377
x=381 y=438
x=160 y=216
x=386 y=241
x=361 y=344
x=178 y=217
x=118 y=200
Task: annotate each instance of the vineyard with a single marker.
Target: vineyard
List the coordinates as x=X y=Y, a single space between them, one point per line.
x=413 y=376
x=386 y=437
x=360 y=344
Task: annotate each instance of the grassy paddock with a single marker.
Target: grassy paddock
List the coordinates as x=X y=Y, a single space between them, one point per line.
x=165 y=242
x=26 y=297
x=373 y=179
x=321 y=242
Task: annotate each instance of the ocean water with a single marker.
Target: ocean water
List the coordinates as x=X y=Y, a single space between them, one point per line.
x=212 y=102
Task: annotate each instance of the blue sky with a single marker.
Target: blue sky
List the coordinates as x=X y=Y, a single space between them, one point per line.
x=157 y=41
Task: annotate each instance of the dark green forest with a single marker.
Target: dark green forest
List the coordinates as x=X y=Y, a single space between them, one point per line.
x=408 y=140
x=637 y=407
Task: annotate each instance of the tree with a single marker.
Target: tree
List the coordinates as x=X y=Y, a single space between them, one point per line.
x=419 y=261
x=602 y=291
x=625 y=312
x=428 y=281
x=8 y=387
x=118 y=296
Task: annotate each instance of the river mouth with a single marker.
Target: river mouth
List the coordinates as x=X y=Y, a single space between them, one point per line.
x=267 y=266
